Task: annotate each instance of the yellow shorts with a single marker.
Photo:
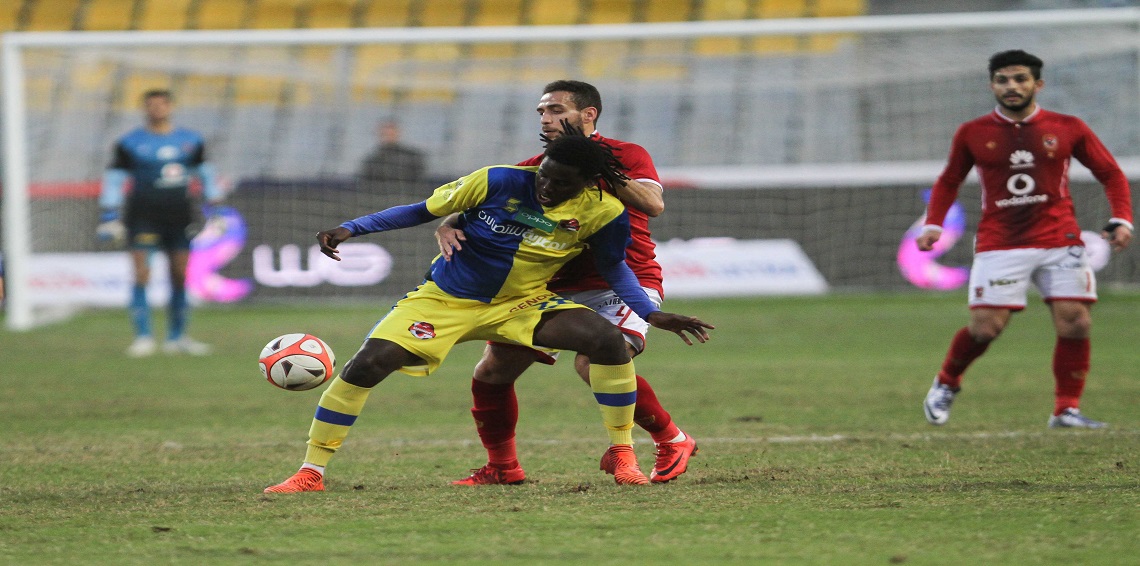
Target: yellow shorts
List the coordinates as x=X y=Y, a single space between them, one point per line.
x=428 y=322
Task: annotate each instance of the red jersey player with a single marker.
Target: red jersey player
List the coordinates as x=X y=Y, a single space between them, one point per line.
x=1028 y=231
x=495 y=405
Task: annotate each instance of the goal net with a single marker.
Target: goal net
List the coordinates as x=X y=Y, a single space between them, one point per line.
x=822 y=131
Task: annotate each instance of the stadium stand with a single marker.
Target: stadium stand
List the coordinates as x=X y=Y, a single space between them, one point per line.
x=554 y=13
x=616 y=12
x=100 y=15
x=389 y=13
x=277 y=14
x=258 y=89
x=666 y=11
x=217 y=14
x=331 y=14
x=440 y=13
x=171 y=14
x=107 y=15
x=499 y=13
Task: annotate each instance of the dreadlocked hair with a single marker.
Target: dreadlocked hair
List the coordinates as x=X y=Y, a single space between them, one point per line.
x=594 y=158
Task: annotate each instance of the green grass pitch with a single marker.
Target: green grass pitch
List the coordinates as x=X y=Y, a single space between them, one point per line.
x=807 y=411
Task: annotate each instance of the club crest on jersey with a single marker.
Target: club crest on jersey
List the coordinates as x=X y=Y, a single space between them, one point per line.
x=512 y=205
x=1049 y=141
x=422 y=330
x=571 y=225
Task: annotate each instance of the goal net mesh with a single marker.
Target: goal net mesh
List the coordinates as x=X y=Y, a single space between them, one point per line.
x=288 y=124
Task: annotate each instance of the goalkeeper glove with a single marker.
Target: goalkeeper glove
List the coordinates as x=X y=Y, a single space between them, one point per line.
x=211 y=215
x=110 y=228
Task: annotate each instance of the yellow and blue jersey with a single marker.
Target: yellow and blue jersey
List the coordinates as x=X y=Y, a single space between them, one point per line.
x=514 y=244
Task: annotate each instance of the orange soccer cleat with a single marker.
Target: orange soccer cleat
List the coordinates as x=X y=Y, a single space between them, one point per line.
x=488 y=475
x=620 y=461
x=672 y=459
x=306 y=479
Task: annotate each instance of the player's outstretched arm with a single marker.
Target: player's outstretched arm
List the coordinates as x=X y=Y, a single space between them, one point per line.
x=394 y=218
x=330 y=239
x=679 y=324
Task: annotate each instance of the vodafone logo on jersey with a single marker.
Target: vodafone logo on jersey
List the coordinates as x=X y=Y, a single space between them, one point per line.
x=1020 y=185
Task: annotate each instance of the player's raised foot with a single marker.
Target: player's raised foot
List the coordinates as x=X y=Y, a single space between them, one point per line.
x=142 y=347
x=306 y=479
x=937 y=403
x=672 y=459
x=1072 y=418
x=621 y=462
x=488 y=475
x=185 y=345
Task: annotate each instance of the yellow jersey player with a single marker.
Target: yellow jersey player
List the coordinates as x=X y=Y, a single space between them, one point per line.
x=522 y=225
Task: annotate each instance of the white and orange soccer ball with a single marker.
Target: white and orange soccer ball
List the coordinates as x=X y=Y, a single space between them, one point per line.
x=297 y=362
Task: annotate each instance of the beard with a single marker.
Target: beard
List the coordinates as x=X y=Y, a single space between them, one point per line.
x=1015 y=106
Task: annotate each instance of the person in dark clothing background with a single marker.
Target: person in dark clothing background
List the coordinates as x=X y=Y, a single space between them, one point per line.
x=392 y=161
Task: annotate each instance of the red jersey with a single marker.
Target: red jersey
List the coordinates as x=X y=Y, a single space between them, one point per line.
x=580 y=274
x=1024 y=169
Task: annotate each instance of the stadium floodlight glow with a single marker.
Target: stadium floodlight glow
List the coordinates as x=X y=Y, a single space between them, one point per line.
x=752 y=104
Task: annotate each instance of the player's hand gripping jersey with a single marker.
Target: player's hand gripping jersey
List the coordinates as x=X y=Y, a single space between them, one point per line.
x=514 y=244
x=1024 y=168
x=581 y=274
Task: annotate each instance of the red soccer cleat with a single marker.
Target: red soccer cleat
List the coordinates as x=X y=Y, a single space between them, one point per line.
x=306 y=479
x=620 y=461
x=672 y=459
x=488 y=475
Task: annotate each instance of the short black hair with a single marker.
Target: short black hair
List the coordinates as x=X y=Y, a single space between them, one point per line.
x=158 y=92
x=593 y=157
x=584 y=94
x=1016 y=57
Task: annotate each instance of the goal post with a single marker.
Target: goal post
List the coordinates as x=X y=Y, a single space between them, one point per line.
x=794 y=124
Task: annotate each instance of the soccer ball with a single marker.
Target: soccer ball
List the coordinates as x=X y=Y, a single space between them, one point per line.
x=297 y=362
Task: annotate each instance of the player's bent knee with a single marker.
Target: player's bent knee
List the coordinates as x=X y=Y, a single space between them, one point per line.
x=986 y=334
x=374 y=362
x=359 y=372
x=606 y=346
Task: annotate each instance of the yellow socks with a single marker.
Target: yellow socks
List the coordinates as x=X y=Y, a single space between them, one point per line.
x=615 y=388
x=338 y=408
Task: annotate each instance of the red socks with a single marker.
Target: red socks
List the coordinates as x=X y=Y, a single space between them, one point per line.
x=963 y=351
x=651 y=416
x=496 y=413
x=1070 y=366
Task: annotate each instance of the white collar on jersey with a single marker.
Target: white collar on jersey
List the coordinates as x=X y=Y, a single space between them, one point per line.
x=997 y=111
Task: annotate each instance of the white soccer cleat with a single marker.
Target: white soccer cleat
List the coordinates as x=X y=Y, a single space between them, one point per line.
x=142 y=347
x=185 y=345
x=1072 y=418
x=937 y=403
